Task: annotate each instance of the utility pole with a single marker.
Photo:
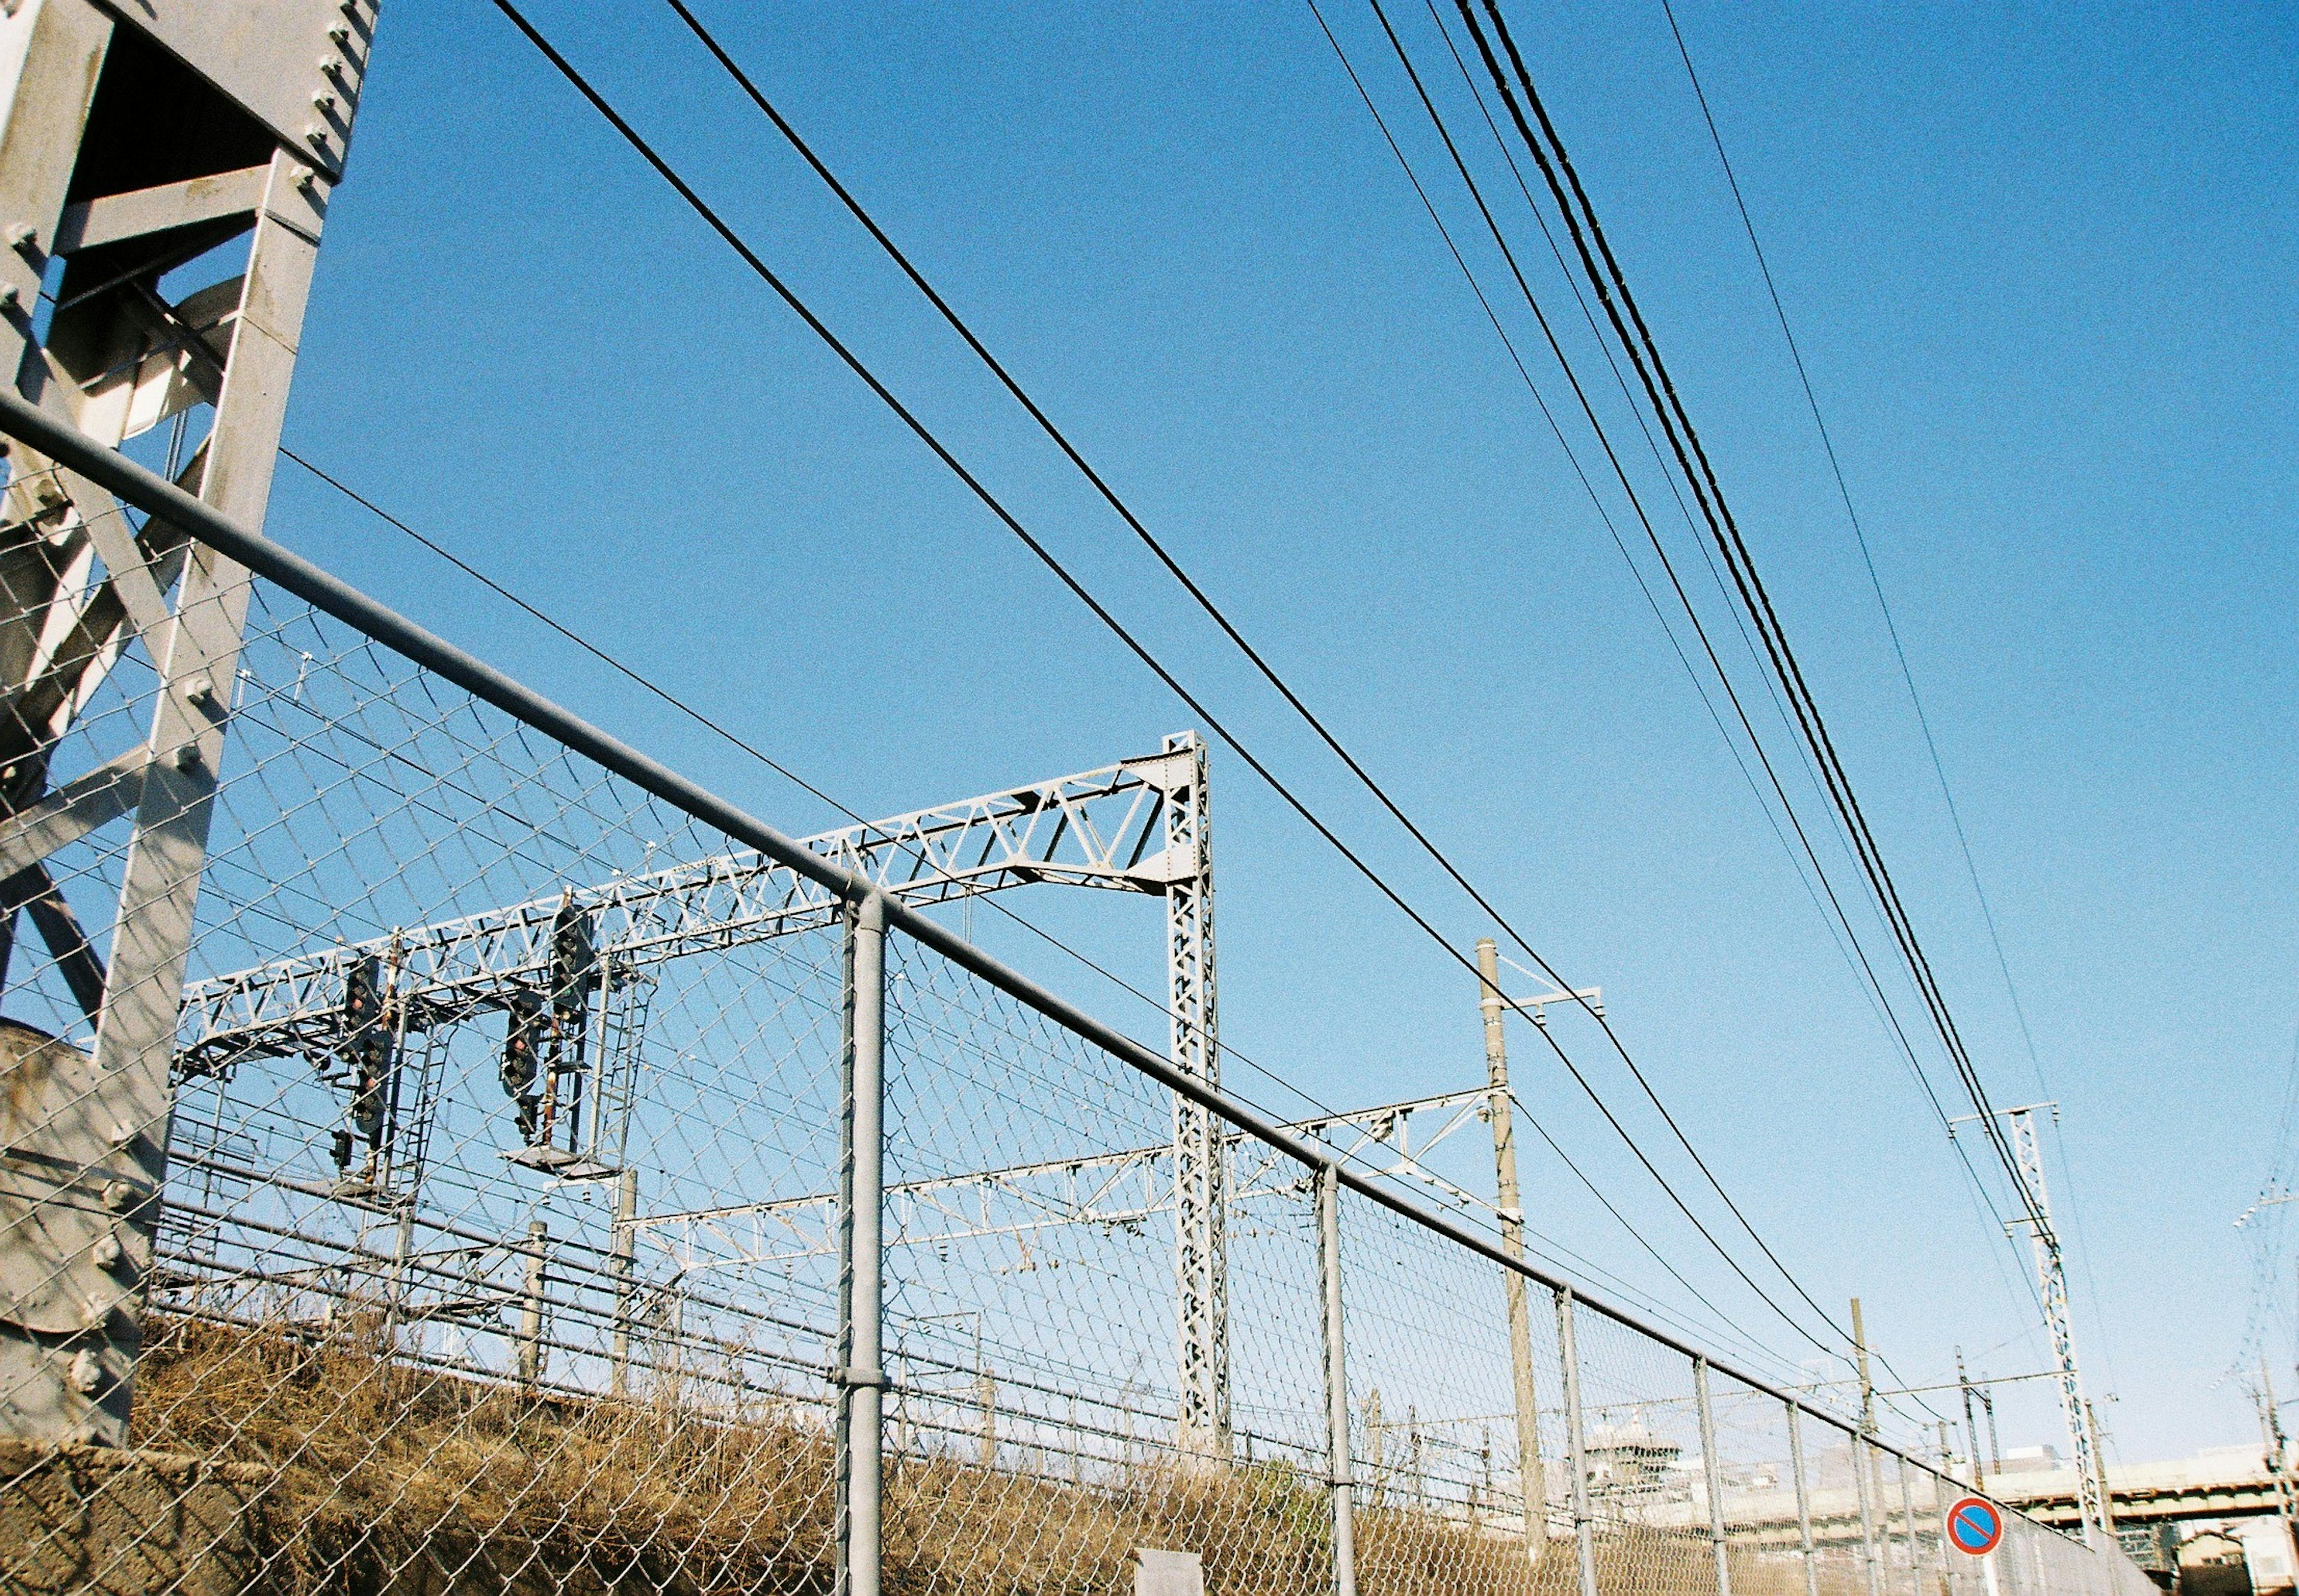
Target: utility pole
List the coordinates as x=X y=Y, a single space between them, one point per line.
x=2270 y=1431
x=1867 y=1385
x=1971 y=1433
x=1531 y=1476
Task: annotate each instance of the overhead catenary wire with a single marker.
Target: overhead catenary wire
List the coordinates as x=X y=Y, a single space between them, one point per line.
x=1618 y=301
x=1205 y=602
x=1554 y=1248
x=1045 y=556
x=1847 y=937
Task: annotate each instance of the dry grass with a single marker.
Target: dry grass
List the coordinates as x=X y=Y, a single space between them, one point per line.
x=383 y=1482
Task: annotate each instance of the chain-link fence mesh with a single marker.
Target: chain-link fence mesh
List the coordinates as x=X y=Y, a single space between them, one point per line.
x=497 y=1224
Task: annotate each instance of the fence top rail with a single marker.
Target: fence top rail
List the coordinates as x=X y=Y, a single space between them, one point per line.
x=156 y=496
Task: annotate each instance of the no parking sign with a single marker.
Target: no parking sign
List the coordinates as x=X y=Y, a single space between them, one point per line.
x=1975 y=1526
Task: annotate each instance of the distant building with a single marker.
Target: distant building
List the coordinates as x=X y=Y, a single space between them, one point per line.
x=1628 y=1460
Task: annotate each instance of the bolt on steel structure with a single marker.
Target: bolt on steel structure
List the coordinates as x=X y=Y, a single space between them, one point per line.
x=134 y=141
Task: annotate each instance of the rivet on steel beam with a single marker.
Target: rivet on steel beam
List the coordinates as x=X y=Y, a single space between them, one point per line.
x=106 y=1253
x=200 y=691
x=84 y=1373
x=118 y=1194
x=187 y=757
x=23 y=236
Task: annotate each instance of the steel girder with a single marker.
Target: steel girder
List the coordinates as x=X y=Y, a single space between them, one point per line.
x=1095 y=828
x=134 y=141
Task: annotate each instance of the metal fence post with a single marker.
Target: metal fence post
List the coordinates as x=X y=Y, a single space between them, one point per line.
x=1708 y=1466
x=862 y=1152
x=1337 y=1381
x=1583 y=1533
x=1908 y=1527
x=1861 y=1459
x=1804 y=1500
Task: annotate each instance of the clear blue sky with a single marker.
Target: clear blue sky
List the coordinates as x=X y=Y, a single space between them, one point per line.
x=2041 y=264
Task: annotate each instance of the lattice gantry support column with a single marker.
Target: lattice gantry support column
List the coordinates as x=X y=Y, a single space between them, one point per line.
x=133 y=143
x=1201 y=1265
x=2052 y=1277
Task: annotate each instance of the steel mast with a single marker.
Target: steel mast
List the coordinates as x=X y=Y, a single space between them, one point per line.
x=136 y=143
x=2052 y=1276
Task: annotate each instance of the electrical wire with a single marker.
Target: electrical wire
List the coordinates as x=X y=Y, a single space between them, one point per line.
x=1555 y=1249
x=926 y=435
x=1892 y=631
x=1206 y=604
x=1615 y=294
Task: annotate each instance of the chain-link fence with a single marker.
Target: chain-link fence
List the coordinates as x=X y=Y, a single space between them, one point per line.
x=445 y=1152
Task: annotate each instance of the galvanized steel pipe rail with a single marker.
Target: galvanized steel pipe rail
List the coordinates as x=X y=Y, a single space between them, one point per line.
x=158 y=497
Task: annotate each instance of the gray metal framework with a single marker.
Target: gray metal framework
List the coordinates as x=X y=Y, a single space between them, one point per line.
x=135 y=141
x=1138 y=826
x=879 y=917
x=2052 y=1277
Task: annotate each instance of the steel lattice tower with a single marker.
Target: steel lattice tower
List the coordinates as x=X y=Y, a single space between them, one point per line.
x=136 y=142
x=1200 y=1261
x=2052 y=1277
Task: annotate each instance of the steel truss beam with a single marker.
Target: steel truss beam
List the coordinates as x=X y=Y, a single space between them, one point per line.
x=134 y=141
x=1095 y=828
x=1140 y=826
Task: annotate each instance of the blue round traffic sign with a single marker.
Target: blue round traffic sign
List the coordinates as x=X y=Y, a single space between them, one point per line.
x=1975 y=1524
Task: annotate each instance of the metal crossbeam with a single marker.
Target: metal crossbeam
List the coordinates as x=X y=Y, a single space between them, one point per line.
x=1097 y=829
x=1111 y=1189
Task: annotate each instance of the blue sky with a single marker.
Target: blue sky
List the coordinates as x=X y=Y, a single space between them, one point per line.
x=2039 y=262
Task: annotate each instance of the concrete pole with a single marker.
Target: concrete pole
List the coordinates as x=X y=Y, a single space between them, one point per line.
x=1871 y=1484
x=1862 y=1478
x=861 y=1378
x=1711 y=1468
x=2270 y=1432
x=1804 y=1500
x=1531 y=1478
x=1867 y=1385
x=1337 y=1382
x=1583 y=1531
x=625 y=1246
x=530 y=1307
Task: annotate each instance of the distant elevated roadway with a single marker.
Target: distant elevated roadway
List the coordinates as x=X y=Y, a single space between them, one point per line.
x=2222 y=1482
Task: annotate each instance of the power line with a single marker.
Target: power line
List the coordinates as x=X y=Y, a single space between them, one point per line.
x=1616 y=298
x=1117 y=628
x=1851 y=944
x=1553 y=1248
x=1205 y=602
x=1891 y=626
x=1841 y=928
